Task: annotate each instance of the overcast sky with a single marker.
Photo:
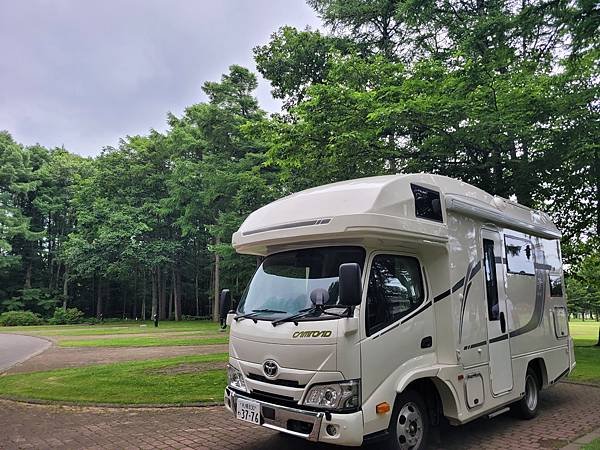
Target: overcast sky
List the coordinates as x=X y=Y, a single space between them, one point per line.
x=85 y=73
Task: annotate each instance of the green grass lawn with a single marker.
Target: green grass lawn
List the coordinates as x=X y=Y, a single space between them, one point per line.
x=138 y=334
x=124 y=327
x=587 y=354
x=184 y=379
x=144 y=341
x=594 y=445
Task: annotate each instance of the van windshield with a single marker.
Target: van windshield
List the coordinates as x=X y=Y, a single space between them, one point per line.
x=284 y=281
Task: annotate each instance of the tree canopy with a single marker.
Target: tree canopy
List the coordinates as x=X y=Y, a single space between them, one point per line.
x=500 y=94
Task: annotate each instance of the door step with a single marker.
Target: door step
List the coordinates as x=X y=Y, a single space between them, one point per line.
x=497 y=413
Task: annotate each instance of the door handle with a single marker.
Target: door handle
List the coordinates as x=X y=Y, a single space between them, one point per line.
x=502 y=322
x=427 y=342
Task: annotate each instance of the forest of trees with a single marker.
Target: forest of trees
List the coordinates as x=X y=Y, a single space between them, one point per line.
x=501 y=94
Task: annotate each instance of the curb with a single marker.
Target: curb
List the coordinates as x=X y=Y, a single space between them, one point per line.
x=581 y=383
x=109 y=405
x=583 y=440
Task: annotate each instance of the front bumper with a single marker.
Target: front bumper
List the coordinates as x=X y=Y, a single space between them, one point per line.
x=309 y=425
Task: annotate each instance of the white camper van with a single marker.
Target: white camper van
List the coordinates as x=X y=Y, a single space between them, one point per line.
x=385 y=303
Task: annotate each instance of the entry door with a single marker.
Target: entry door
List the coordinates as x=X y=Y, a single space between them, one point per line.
x=497 y=323
x=398 y=324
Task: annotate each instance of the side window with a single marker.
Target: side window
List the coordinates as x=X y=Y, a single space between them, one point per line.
x=427 y=203
x=395 y=289
x=552 y=253
x=491 y=281
x=555 y=286
x=519 y=255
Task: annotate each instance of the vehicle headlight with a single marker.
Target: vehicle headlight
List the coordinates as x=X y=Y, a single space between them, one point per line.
x=235 y=378
x=341 y=396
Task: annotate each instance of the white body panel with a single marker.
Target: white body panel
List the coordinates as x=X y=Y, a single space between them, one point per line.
x=454 y=339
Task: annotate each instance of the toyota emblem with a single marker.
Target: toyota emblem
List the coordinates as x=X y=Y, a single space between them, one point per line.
x=270 y=368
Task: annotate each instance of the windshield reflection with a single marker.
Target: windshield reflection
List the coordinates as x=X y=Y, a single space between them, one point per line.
x=285 y=280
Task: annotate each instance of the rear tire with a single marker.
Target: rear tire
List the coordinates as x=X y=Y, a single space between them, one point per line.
x=409 y=424
x=527 y=407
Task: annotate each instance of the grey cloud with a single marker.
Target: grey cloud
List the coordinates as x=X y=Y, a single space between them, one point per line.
x=83 y=74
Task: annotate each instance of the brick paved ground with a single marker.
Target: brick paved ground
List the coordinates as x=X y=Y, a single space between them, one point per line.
x=567 y=411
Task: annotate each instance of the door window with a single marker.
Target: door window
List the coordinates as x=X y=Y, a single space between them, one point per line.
x=491 y=281
x=395 y=289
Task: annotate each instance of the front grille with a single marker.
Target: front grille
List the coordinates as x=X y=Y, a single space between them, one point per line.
x=276 y=399
x=279 y=382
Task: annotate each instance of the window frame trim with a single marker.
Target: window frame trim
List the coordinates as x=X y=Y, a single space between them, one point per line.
x=506 y=254
x=367 y=274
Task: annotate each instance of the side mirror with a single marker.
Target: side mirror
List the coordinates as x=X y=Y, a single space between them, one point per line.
x=230 y=318
x=350 y=284
x=224 y=303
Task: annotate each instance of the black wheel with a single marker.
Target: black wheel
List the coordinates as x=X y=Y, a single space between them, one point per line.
x=409 y=424
x=527 y=407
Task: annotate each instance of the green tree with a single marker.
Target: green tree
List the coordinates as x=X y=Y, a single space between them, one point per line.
x=18 y=236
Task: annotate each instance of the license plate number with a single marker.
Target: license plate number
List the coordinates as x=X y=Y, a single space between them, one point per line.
x=248 y=411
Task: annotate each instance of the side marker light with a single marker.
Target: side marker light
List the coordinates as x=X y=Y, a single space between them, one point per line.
x=383 y=408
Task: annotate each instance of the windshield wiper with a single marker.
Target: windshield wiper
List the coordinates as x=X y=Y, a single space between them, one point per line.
x=322 y=309
x=255 y=312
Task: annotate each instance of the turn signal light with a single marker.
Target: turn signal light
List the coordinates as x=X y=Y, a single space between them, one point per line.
x=382 y=408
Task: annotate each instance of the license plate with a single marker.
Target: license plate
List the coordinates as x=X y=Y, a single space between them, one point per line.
x=248 y=411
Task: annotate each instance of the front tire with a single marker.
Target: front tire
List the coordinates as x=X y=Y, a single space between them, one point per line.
x=527 y=407
x=409 y=424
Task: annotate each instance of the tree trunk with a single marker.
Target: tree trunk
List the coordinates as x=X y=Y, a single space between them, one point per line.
x=162 y=298
x=215 y=312
x=598 y=343
x=154 y=292
x=27 y=284
x=124 y=294
x=597 y=169
x=107 y=295
x=134 y=313
x=196 y=293
x=65 y=288
x=144 y=297
x=99 y=300
x=171 y=295
x=177 y=293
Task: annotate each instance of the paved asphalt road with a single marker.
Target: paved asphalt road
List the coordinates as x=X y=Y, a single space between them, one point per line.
x=15 y=348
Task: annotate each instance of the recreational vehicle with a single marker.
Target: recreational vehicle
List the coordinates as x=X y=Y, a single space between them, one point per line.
x=384 y=305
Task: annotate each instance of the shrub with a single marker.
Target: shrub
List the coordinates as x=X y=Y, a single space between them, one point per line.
x=66 y=317
x=19 y=318
x=37 y=300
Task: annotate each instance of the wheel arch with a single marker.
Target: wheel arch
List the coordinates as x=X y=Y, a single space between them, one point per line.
x=538 y=365
x=438 y=396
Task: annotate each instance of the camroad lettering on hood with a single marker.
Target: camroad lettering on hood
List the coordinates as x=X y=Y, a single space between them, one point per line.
x=312 y=334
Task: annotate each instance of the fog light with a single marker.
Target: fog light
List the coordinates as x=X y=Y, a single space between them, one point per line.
x=332 y=430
